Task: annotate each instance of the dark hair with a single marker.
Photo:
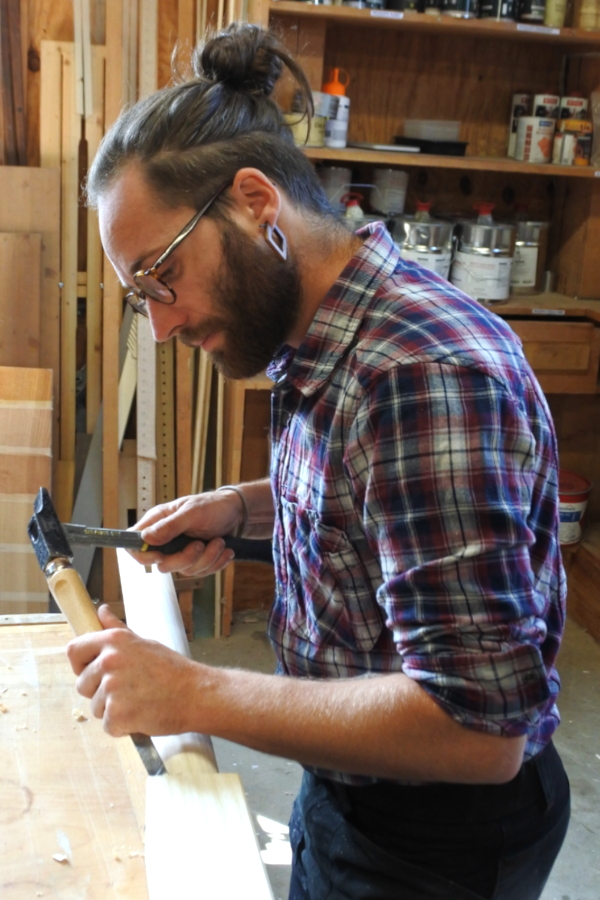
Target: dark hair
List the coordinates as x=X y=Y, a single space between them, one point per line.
x=191 y=138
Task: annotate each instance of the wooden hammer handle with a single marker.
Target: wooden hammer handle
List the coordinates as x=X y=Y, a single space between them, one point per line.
x=75 y=603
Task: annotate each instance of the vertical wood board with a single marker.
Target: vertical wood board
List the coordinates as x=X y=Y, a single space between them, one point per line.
x=20 y=285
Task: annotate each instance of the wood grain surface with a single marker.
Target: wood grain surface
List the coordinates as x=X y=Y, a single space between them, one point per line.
x=20 y=282
x=63 y=789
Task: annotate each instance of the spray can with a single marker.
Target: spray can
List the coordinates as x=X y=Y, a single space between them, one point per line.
x=522 y=105
x=336 y=127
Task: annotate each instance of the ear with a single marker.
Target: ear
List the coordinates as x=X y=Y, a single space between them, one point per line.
x=257 y=199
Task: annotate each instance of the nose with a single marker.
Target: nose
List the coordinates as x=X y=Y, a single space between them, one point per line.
x=165 y=320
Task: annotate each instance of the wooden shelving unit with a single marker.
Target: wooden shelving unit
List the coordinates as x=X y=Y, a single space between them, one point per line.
x=500 y=164
x=447 y=26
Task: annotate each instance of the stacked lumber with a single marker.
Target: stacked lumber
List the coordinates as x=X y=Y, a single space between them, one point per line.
x=25 y=465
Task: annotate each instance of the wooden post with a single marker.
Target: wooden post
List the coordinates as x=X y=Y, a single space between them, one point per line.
x=111 y=323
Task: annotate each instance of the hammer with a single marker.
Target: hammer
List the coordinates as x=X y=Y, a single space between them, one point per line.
x=55 y=556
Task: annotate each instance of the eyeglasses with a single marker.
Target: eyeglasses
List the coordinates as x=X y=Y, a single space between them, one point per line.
x=147 y=281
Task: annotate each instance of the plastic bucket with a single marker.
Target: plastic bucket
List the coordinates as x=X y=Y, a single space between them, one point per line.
x=573 y=494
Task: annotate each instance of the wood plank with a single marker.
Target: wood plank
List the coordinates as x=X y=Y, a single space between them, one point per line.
x=64 y=789
x=192 y=790
x=427 y=160
x=25 y=466
x=71 y=135
x=16 y=65
x=115 y=93
x=20 y=286
x=94 y=129
x=6 y=87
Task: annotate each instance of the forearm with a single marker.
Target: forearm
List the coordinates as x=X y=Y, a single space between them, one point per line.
x=258 y=516
x=386 y=726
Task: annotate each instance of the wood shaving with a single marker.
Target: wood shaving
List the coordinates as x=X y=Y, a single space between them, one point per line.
x=3 y=708
x=60 y=858
x=78 y=715
x=21 y=728
x=134 y=853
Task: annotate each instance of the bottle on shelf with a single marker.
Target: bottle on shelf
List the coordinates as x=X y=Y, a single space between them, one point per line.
x=336 y=127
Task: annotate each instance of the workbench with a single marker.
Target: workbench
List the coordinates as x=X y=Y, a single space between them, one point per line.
x=71 y=797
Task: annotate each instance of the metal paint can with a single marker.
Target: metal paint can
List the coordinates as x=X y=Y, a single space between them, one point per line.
x=461 y=9
x=546 y=106
x=483 y=261
x=522 y=105
x=428 y=243
x=532 y=10
x=501 y=10
x=527 y=274
x=535 y=137
x=574 y=107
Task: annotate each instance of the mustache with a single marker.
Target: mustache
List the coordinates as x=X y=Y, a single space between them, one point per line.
x=195 y=334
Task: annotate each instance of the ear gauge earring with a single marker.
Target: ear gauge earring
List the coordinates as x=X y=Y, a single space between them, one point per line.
x=276 y=238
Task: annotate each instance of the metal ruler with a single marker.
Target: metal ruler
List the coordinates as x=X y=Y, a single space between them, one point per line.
x=165 y=422
x=146 y=416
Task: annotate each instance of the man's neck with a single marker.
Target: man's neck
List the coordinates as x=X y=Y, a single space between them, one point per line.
x=321 y=259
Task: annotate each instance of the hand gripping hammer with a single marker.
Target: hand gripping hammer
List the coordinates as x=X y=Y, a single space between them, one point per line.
x=54 y=555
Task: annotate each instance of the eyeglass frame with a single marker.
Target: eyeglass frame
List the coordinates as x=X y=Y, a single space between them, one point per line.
x=138 y=303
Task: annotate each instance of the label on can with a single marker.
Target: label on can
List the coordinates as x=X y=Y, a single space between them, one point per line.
x=546 y=106
x=535 y=137
x=570 y=515
x=497 y=9
x=563 y=151
x=435 y=262
x=573 y=108
x=482 y=277
x=524 y=267
x=521 y=106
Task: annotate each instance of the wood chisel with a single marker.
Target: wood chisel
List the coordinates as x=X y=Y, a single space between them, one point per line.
x=245 y=550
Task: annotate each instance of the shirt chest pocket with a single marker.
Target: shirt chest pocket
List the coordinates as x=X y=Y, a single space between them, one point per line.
x=330 y=592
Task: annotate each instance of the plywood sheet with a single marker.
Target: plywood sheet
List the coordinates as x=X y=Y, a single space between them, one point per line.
x=63 y=788
x=20 y=276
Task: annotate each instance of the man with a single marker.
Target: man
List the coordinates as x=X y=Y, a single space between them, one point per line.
x=412 y=503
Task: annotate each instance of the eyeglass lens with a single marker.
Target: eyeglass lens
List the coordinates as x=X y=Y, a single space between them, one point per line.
x=153 y=288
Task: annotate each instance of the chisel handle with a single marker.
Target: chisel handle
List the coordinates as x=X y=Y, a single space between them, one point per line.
x=74 y=602
x=245 y=550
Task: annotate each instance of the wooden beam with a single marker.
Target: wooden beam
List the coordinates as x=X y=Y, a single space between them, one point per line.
x=94 y=129
x=112 y=313
x=197 y=820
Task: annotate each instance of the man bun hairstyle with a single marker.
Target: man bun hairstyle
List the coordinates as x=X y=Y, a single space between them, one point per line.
x=192 y=137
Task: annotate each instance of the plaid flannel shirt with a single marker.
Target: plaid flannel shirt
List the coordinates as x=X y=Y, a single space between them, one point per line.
x=414 y=466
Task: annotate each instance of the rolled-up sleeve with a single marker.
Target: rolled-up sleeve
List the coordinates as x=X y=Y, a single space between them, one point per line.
x=457 y=488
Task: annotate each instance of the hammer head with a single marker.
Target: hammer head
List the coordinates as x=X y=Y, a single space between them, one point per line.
x=45 y=532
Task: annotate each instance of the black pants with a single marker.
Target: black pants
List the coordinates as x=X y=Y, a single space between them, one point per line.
x=430 y=842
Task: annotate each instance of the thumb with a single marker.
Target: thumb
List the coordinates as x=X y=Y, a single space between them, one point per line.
x=108 y=618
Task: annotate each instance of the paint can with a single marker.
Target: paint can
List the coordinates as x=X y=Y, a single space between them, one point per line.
x=501 y=10
x=529 y=261
x=427 y=242
x=572 y=143
x=573 y=495
x=336 y=181
x=303 y=136
x=483 y=259
x=546 y=106
x=535 y=137
x=555 y=13
x=388 y=193
x=573 y=107
x=522 y=105
x=532 y=10
x=461 y=9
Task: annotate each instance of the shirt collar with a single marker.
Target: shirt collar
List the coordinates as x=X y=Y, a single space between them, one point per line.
x=339 y=316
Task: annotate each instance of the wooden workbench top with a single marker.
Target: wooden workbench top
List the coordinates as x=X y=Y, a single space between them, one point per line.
x=66 y=788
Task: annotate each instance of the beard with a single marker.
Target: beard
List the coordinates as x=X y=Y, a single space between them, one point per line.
x=259 y=296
